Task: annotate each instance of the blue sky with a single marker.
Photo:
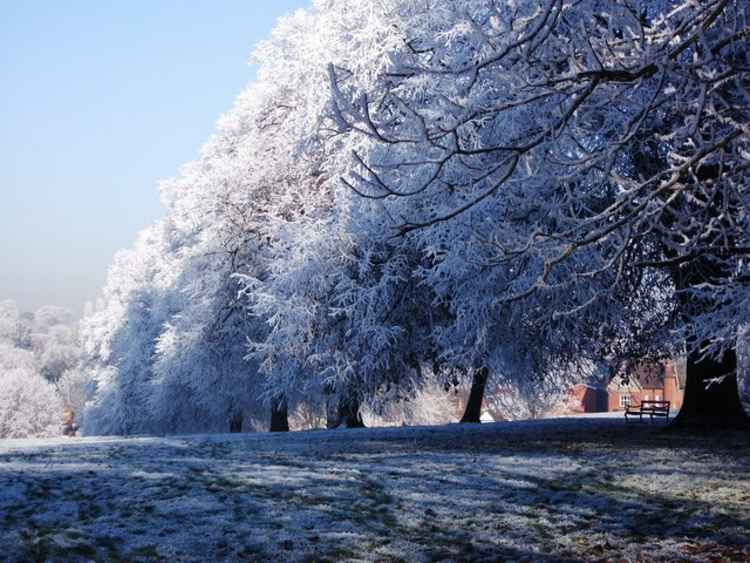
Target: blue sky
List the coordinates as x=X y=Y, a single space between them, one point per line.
x=99 y=100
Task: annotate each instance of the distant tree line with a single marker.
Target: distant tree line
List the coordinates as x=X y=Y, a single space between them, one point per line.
x=39 y=376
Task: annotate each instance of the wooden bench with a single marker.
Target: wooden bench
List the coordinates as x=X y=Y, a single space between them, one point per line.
x=650 y=409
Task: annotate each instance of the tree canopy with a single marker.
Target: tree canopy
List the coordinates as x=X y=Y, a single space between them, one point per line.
x=421 y=192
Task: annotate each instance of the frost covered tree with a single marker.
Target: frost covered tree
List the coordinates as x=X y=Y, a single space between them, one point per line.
x=323 y=337
x=50 y=333
x=348 y=307
x=591 y=157
x=53 y=336
x=9 y=321
x=34 y=350
x=167 y=346
x=29 y=405
x=119 y=339
x=170 y=341
x=173 y=308
x=214 y=211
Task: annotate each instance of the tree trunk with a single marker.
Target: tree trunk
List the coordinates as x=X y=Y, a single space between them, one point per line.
x=710 y=405
x=349 y=414
x=343 y=411
x=279 y=415
x=706 y=405
x=235 y=423
x=473 y=412
x=332 y=408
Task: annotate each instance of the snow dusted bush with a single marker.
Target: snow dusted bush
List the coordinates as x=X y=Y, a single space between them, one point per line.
x=57 y=351
x=29 y=405
x=516 y=402
x=431 y=404
x=307 y=415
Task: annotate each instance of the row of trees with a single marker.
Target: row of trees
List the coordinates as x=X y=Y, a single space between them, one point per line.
x=44 y=388
x=450 y=193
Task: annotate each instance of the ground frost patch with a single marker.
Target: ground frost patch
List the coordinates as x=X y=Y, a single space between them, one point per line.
x=570 y=489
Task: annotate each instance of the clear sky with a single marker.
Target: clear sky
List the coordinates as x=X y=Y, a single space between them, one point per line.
x=99 y=100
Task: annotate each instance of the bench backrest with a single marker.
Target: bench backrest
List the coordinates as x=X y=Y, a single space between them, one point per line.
x=655 y=405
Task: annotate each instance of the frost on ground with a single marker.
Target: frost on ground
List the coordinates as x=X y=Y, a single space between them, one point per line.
x=566 y=489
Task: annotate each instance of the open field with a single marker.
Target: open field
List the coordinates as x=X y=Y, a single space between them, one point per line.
x=564 y=489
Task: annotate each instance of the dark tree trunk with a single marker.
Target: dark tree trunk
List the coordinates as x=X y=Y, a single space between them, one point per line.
x=235 y=423
x=714 y=405
x=332 y=415
x=349 y=414
x=343 y=411
x=332 y=408
x=473 y=412
x=709 y=405
x=279 y=415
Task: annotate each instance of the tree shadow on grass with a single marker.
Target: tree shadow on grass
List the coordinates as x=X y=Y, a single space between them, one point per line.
x=543 y=492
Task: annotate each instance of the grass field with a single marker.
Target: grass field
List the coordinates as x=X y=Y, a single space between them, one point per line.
x=553 y=490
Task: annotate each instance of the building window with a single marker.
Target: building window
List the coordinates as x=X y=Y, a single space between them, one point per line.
x=624 y=401
x=657 y=397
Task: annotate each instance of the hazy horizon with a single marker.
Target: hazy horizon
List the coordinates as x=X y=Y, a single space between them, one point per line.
x=100 y=103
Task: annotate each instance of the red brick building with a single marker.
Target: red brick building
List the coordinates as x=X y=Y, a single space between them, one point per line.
x=647 y=382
